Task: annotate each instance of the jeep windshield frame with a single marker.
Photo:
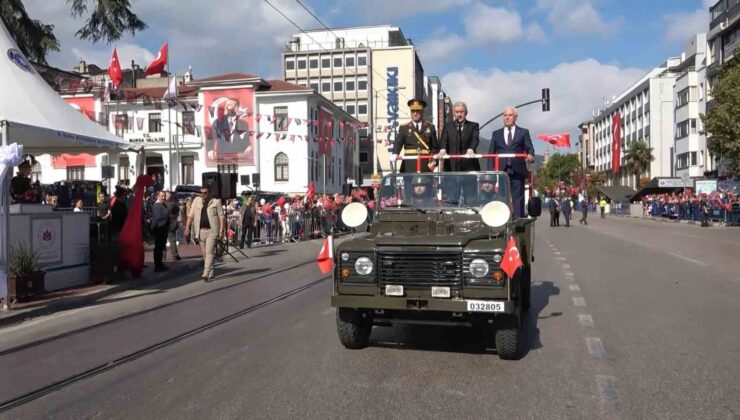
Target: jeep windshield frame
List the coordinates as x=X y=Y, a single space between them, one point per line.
x=446 y=191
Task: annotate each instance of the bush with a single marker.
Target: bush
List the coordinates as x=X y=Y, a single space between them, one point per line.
x=22 y=260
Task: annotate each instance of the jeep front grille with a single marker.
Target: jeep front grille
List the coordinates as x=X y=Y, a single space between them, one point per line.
x=420 y=268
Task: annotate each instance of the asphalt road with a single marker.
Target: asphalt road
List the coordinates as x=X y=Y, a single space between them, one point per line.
x=630 y=319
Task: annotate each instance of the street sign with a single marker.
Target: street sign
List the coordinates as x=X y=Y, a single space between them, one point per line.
x=671 y=183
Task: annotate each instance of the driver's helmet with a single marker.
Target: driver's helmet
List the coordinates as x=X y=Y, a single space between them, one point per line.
x=421 y=180
x=491 y=178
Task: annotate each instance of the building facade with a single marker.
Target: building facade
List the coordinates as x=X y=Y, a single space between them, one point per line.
x=276 y=136
x=370 y=72
x=643 y=111
x=586 y=145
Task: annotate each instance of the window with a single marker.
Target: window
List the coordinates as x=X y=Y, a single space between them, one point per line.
x=36 y=172
x=281 y=118
x=362 y=108
x=155 y=122
x=188 y=122
x=313 y=63
x=325 y=63
x=364 y=157
x=123 y=166
x=281 y=167
x=302 y=64
x=692 y=125
x=361 y=60
x=188 y=170
x=314 y=86
x=351 y=109
x=349 y=61
x=290 y=64
x=326 y=86
x=362 y=85
x=121 y=123
x=684 y=160
x=682 y=129
x=350 y=85
x=337 y=86
x=75 y=172
x=301 y=82
x=337 y=61
x=227 y=169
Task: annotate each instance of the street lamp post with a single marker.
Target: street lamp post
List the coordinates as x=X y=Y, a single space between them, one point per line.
x=377 y=128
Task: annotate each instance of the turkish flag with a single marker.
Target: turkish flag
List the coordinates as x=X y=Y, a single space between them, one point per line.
x=157 y=66
x=310 y=192
x=512 y=259
x=114 y=69
x=131 y=242
x=557 y=140
x=280 y=201
x=325 y=258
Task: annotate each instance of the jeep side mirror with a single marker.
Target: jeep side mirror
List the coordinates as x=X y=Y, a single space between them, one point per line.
x=534 y=206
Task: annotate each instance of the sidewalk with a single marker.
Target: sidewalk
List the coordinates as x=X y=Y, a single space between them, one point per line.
x=666 y=220
x=181 y=281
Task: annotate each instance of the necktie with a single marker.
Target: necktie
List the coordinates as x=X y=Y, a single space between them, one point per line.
x=508 y=138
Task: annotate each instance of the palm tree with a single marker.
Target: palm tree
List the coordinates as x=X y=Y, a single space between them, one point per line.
x=638 y=158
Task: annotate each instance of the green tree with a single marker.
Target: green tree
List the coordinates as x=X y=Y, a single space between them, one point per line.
x=638 y=158
x=560 y=167
x=106 y=20
x=722 y=123
x=595 y=179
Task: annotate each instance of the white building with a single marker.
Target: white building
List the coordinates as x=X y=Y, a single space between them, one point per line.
x=646 y=111
x=285 y=134
x=690 y=148
x=371 y=72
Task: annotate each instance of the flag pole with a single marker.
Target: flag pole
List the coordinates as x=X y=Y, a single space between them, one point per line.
x=169 y=116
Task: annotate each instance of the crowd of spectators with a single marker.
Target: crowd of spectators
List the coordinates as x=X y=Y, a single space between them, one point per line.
x=689 y=205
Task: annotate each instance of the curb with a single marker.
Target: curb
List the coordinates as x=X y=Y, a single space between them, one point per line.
x=662 y=220
x=75 y=302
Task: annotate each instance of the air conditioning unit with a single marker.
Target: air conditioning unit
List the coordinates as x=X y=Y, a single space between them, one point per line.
x=723 y=25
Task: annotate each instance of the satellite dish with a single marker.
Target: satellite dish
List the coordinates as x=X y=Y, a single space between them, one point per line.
x=495 y=214
x=354 y=214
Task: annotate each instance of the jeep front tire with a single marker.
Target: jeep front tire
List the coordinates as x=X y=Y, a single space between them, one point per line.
x=353 y=328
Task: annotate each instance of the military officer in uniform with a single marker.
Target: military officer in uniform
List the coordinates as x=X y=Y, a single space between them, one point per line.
x=416 y=137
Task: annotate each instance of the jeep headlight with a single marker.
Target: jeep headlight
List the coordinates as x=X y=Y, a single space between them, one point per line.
x=364 y=266
x=497 y=258
x=478 y=267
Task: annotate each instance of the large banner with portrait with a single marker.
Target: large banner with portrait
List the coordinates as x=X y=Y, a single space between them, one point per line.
x=228 y=120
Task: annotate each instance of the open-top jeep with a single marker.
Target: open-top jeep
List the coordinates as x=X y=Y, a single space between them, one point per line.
x=434 y=256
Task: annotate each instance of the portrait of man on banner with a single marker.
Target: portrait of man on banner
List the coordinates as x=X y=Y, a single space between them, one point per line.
x=227 y=122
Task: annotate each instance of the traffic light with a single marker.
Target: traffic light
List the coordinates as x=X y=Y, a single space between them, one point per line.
x=545 y=100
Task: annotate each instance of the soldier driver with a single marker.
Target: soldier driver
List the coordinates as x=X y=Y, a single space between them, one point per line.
x=488 y=188
x=416 y=137
x=421 y=192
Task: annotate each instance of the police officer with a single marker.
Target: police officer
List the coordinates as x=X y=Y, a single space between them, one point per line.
x=416 y=137
x=421 y=191
x=487 y=191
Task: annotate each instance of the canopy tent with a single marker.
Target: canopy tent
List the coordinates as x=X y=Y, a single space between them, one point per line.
x=34 y=115
x=659 y=185
x=616 y=193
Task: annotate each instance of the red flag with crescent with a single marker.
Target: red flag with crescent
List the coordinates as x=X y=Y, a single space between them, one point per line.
x=557 y=140
x=512 y=259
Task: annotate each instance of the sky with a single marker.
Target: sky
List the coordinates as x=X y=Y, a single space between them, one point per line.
x=487 y=53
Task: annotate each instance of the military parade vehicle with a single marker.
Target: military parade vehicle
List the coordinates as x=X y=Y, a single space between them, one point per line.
x=438 y=253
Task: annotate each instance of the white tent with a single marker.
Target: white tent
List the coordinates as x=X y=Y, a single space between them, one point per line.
x=34 y=115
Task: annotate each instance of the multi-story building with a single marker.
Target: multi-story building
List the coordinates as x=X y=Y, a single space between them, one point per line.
x=723 y=39
x=439 y=105
x=646 y=112
x=586 y=145
x=690 y=144
x=233 y=123
x=370 y=72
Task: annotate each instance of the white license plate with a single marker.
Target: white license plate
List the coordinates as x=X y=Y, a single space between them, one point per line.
x=393 y=290
x=485 y=306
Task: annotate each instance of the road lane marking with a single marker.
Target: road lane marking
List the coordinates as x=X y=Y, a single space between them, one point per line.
x=607 y=389
x=561 y=258
x=574 y=288
x=579 y=301
x=586 y=320
x=566 y=266
x=569 y=273
x=595 y=347
x=557 y=253
x=691 y=260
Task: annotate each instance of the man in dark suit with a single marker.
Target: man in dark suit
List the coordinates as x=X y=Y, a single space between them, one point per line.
x=416 y=137
x=513 y=139
x=460 y=137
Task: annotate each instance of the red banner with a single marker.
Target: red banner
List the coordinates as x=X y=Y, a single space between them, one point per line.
x=616 y=142
x=84 y=104
x=66 y=160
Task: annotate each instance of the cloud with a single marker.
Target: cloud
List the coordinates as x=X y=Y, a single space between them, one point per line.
x=535 y=34
x=384 y=11
x=576 y=88
x=576 y=17
x=214 y=38
x=442 y=46
x=681 y=26
x=486 y=25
